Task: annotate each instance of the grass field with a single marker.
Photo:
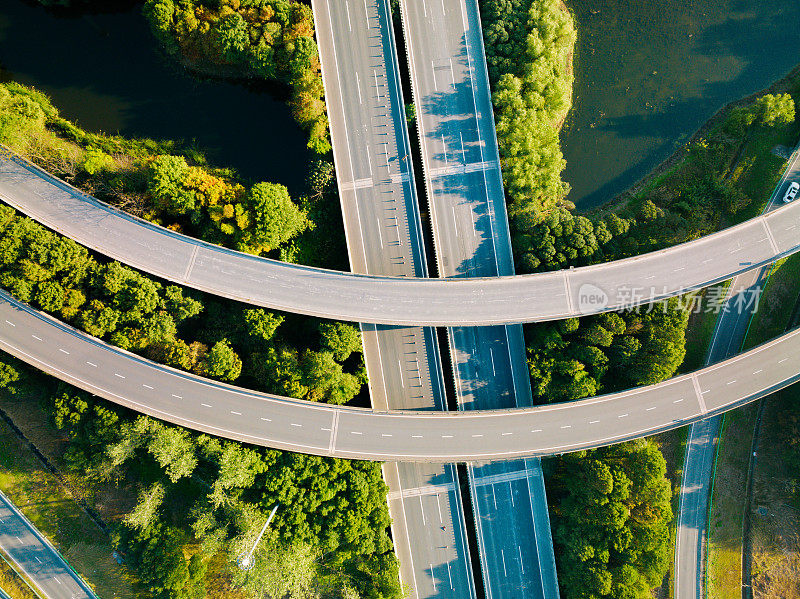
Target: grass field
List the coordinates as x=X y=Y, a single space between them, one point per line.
x=728 y=500
x=51 y=508
x=777 y=301
x=775 y=520
x=727 y=504
x=12 y=582
x=701 y=328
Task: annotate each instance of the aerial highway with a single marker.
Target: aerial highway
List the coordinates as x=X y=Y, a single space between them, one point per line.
x=729 y=334
x=396 y=300
x=384 y=236
x=471 y=237
x=358 y=433
x=36 y=557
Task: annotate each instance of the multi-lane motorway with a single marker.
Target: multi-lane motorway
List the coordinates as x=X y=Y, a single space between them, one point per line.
x=397 y=300
x=384 y=236
x=471 y=238
x=34 y=555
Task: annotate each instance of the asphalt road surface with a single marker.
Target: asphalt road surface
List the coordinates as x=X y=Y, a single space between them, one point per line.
x=384 y=236
x=471 y=237
x=397 y=300
x=252 y=417
x=34 y=555
x=729 y=334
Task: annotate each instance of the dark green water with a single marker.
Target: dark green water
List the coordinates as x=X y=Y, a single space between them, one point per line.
x=103 y=71
x=649 y=73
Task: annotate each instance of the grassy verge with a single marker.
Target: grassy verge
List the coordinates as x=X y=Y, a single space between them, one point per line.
x=777 y=300
x=701 y=327
x=724 y=567
x=12 y=582
x=775 y=519
x=51 y=508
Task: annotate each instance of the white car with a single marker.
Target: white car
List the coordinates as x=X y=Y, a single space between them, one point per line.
x=791 y=193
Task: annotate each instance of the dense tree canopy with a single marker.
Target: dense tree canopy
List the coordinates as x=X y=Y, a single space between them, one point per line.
x=612 y=522
x=221 y=490
x=576 y=358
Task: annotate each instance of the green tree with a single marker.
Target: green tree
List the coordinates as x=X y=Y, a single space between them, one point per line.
x=273 y=218
x=222 y=363
x=774 y=110
x=262 y=325
x=173 y=449
x=8 y=376
x=326 y=380
x=145 y=514
x=340 y=339
x=166 y=177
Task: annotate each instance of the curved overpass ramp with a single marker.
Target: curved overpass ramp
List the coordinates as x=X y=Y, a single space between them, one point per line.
x=321 y=429
x=396 y=300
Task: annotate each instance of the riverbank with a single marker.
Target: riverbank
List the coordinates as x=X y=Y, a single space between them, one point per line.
x=788 y=84
x=667 y=68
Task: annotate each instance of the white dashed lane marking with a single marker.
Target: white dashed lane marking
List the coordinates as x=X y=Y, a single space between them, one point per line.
x=63 y=351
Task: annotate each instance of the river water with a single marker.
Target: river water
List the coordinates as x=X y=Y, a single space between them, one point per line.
x=104 y=72
x=649 y=73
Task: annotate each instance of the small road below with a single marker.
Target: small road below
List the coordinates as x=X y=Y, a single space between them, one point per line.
x=33 y=554
x=698 y=467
